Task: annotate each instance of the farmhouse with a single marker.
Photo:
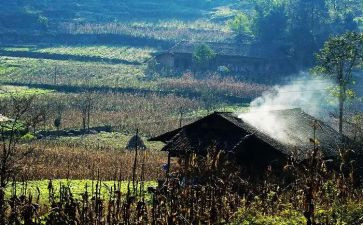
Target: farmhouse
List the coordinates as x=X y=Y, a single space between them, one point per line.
x=241 y=59
x=251 y=147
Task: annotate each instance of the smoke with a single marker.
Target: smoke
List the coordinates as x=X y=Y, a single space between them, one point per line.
x=310 y=94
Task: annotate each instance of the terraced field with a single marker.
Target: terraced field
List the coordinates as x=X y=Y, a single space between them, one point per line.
x=71 y=72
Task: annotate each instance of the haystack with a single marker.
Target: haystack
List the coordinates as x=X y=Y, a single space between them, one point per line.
x=136 y=142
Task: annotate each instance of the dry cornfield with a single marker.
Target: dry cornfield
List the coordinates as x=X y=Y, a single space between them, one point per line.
x=61 y=162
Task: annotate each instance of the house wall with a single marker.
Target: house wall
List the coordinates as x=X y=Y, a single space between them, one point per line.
x=166 y=60
x=256 y=155
x=183 y=61
x=243 y=66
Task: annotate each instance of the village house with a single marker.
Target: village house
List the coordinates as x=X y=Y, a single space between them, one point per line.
x=252 y=148
x=244 y=60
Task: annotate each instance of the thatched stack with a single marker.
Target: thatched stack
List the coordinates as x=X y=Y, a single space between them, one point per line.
x=136 y=142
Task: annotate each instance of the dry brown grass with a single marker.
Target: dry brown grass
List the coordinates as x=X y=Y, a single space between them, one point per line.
x=152 y=114
x=227 y=86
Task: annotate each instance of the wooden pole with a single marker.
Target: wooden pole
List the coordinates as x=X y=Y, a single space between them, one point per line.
x=169 y=156
x=135 y=162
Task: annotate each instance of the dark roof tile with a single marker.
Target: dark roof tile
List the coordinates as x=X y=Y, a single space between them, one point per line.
x=298 y=126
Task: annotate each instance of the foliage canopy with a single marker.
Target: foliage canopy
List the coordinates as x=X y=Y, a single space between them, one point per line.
x=203 y=57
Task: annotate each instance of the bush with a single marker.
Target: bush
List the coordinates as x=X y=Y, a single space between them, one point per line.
x=241 y=25
x=252 y=217
x=203 y=57
x=28 y=137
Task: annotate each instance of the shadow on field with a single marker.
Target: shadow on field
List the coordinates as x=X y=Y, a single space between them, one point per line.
x=55 y=56
x=103 y=89
x=82 y=39
x=73 y=132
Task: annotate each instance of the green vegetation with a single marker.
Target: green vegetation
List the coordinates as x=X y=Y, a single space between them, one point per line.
x=348 y=213
x=40 y=189
x=105 y=140
x=203 y=57
x=130 y=54
x=174 y=30
x=162 y=20
x=240 y=25
x=75 y=73
x=339 y=57
x=84 y=65
x=252 y=217
x=300 y=27
x=21 y=91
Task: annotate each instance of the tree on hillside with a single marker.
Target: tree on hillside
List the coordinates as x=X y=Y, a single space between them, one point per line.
x=337 y=59
x=203 y=57
x=301 y=26
x=308 y=29
x=241 y=26
x=270 y=22
x=85 y=102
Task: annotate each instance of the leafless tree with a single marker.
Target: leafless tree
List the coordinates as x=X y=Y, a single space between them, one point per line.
x=85 y=102
x=12 y=129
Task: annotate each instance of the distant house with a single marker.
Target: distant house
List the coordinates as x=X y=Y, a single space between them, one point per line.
x=251 y=147
x=240 y=59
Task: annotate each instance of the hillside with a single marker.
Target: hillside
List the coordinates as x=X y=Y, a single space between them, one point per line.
x=66 y=20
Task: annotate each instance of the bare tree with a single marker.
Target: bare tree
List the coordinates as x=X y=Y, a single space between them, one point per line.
x=12 y=130
x=37 y=113
x=85 y=102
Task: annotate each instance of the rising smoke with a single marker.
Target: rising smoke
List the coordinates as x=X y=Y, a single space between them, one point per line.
x=312 y=95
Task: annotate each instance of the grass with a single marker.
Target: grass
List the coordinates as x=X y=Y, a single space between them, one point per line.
x=104 y=140
x=78 y=187
x=223 y=12
x=174 y=30
x=152 y=114
x=18 y=68
x=228 y=108
x=127 y=53
x=9 y=90
x=44 y=71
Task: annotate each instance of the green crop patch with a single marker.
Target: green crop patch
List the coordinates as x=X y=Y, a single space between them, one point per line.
x=40 y=189
x=23 y=91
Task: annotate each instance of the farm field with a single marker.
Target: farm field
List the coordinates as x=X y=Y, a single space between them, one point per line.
x=60 y=159
x=40 y=189
x=122 y=53
x=174 y=30
x=63 y=72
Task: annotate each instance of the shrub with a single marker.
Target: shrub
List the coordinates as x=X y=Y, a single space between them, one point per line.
x=203 y=57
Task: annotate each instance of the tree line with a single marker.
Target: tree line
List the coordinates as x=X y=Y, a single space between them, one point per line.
x=298 y=27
